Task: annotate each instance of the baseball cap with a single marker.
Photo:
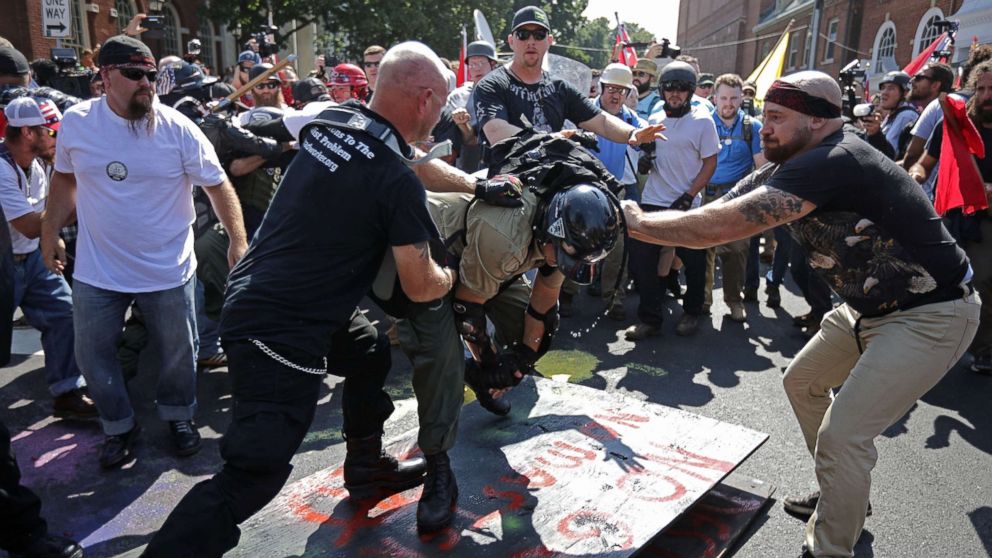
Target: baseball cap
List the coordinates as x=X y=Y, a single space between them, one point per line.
x=749 y=85
x=124 y=50
x=12 y=62
x=31 y=111
x=310 y=89
x=530 y=15
x=259 y=69
x=249 y=56
x=706 y=79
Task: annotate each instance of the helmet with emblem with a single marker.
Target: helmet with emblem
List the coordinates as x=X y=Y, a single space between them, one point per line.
x=582 y=223
x=348 y=75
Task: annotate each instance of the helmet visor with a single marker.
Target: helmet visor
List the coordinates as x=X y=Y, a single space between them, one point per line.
x=578 y=268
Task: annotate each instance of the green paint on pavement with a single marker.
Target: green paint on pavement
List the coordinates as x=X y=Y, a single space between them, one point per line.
x=578 y=366
x=647 y=369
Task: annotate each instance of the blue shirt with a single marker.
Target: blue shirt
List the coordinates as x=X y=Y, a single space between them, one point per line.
x=612 y=154
x=647 y=105
x=736 y=158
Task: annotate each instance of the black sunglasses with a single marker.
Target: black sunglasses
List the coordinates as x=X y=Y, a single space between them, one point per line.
x=267 y=85
x=526 y=34
x=920 y=77
x=135 y=74
x=676 y=86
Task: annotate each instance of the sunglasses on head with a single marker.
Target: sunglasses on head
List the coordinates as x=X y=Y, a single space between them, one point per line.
x=268 y=85
x=682 y=86
x=526 y=34
x=135 y=74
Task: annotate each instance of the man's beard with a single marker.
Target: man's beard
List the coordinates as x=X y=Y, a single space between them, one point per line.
x=267 y=100
x=643 y=87
x=984 y=113
x=139 y=110
x=921 y=96
x=781 y=153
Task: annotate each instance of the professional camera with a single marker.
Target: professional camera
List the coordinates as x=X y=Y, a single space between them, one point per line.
x=266 y=40
x=846 y=77
x=747 y=105
x=668 y=50
x=69 y=77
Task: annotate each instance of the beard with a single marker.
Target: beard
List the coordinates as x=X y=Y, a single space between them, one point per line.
x=642 y=88
x=984 y=112
x=783 y=152
x=139 y=111
x=269 y=99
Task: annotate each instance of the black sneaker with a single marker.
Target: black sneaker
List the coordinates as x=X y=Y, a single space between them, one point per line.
x=804 y=506
x=50 y=546
x=982 y=363
x=774 y=296
x=186 y=437
x=117 y=448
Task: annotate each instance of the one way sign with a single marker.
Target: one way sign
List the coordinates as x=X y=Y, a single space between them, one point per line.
x=56 y=18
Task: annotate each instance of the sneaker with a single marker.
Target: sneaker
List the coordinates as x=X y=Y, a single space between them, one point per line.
x=806 y=320
x=774 y=296
x=117 y=448
x=750 y=294
x=638 y=332
x=217 y=360
x=982 y=363
x=737 y=312
x=564 y=305
x=74 y=405
x=185 y=436
x=688 y=324
x=804 y=506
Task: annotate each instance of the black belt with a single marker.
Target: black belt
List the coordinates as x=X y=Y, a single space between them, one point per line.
x=19 y=258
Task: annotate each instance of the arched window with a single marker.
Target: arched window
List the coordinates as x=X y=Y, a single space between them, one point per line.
x=171 y=40
x=927 y=32
x=207 y=43
x=125 y=12
x=80 y=37
x=884 y=51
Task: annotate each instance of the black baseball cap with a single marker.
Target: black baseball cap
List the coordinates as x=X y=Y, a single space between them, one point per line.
x=530 y=15
x=125 y=50
x=12 y=62
x=310 y=89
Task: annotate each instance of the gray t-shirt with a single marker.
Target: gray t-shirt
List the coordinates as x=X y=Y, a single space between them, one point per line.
x=691 y=138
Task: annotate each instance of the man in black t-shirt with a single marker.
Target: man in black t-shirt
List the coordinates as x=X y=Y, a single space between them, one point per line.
x=520 y=95
x=909 y=310
x=290 y=314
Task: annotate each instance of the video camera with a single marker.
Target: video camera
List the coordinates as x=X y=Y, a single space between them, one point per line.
x=668 y=50
x=846 y=77
x=69 y=78
x=266 y=40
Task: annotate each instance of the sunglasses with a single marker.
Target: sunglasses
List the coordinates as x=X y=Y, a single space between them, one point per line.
x=51 y=133
x=682 y=86
x=135 y=74
x=615 y=90
x=268 y=85
x=371 y=64
x=921 y=77
x=526 y=34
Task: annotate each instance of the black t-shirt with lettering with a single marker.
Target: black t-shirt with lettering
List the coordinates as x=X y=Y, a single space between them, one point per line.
x=546 y=104
x=344 y=200
x=874 y=236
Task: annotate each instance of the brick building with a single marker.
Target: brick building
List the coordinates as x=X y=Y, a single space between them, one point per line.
x=735 y=35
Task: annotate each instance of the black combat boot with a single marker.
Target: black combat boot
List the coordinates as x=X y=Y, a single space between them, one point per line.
x=368 y=469
x=436 y=508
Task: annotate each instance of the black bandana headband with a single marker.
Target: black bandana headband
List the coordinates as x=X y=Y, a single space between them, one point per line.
x=790 y=96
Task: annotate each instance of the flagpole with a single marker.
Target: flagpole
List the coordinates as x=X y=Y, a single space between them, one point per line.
x=783 y=36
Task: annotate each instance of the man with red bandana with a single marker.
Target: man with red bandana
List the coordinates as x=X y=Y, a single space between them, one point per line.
x=909 y=308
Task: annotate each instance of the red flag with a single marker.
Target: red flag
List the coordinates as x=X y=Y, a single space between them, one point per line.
x=627 y=53
x=959 y=184
x=922 y=58
x=462 y=64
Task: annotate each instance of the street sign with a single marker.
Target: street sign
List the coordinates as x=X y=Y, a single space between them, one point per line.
x=56 y=18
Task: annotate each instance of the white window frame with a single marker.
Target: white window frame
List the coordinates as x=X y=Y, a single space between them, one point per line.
x=208 y=44
x=830 y=44
x=807 y=46
x=882 y=29
x=793 y=57
x=124 y=18
x=180 y=47
x=80 y=40
x=922 y=27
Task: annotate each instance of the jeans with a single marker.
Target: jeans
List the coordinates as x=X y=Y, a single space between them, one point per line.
x=169 y=317
x=209 y=340
x=783 y=253
x=46 y=300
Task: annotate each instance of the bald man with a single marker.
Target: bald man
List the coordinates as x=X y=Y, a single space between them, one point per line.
x=909 y=310
x=290 y=315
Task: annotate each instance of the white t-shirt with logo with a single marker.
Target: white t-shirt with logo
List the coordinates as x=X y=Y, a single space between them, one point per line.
x=691 y=138
x=21 y=195
x=134 y=201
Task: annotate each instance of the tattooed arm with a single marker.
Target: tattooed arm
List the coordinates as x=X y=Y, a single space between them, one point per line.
x=421 y=278
x=745 y=211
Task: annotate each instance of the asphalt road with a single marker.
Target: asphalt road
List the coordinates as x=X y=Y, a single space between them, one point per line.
x=931 y=493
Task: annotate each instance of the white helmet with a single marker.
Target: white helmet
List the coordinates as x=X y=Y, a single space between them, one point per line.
x=618 y=75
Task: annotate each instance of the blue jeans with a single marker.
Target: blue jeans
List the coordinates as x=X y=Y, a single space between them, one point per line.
x=209 y=340
x=46 y=300
x=169 y=317
x=780 y=264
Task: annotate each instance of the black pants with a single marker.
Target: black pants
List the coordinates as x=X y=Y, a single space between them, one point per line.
x=273 y=408
x=20 y=509
x=643 y=267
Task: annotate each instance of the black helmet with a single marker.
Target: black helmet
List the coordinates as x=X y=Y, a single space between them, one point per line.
x=583 y=224
x=258 y=69
x=310 y=89
x=481 y=48
x=678 y=71
x=188 y=78
x=897 y=77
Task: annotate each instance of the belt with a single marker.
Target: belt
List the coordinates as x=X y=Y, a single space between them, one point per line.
x=19 y=258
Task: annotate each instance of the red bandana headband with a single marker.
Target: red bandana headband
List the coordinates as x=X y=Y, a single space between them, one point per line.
x=790 y=96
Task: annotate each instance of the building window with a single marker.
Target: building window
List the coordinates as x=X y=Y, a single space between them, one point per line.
x=927 y=32
x=207 y=43
x=125 y=12
x=793 y=50
x=831 y=43
x=170 y=32
x=884 y=51
x=807 y=63
x=78 y=40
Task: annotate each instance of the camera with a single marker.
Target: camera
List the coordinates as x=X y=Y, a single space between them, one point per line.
x=69 y=78
x=747 y=105
x=266 y=40
x=153 y=22
x=668 y=50
x=846 y=76
x=947 y=25
x=194 y=47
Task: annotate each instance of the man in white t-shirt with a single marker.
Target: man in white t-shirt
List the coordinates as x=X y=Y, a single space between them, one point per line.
x=127 y=165
x=682 y=167
x=44 y=297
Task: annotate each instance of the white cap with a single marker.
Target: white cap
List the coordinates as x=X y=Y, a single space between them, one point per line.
x=32 y=111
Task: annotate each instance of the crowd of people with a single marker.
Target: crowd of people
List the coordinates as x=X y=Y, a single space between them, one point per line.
x=241 y=223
